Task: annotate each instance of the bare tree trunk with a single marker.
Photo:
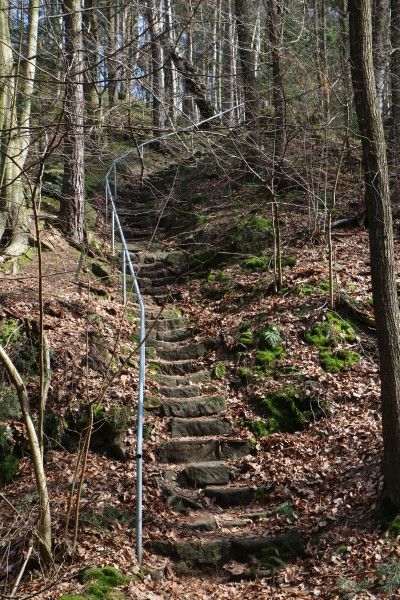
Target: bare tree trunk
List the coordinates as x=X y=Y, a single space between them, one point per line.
x=192 y=81
x=73 y=187
x=395 y=82
x=153 y=15
x=380 y=16
x=278 y=92
x=247 y=62
x=383 y=266
x=15 y=128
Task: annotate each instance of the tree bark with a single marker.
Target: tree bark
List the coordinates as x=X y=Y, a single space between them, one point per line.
x=395 y=81
x=73 y=186
x=278 y=92
x=153 y=15
x=383 y=270
x=247 y=62
x=15 y=129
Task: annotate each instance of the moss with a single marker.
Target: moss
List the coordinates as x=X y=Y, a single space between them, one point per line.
x=8 y=468
x=209 y=258
x=268 y=357
x=246 y=339
x=287 y=409
x=244 y=374
x=283 y=549
x=331 y=333
x=258 y=428
x=9 y=405
x=334 y=362
x=257 y=263
x=219 y=371
x=101 y=582
x=394 y=527
x=249 y=232
x=72 y=597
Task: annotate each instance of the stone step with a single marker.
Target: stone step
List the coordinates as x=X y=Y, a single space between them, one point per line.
x=167 y=324
x=199 y=427
x=206 y=474
x=177 y=367
x=194 y=407
x=179 y=335
x=174 y=381
x=209 y=550
x=232 y=496
x=155 y=282
x=185 y=391
x=156 y=291
x=182 y=451
x=172 y=352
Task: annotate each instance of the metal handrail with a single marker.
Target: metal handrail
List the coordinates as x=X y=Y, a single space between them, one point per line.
x=126 y=260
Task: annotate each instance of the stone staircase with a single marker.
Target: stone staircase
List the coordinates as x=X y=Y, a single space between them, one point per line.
x=200 y=458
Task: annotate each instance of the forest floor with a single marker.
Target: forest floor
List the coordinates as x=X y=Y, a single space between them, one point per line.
x=327 y=475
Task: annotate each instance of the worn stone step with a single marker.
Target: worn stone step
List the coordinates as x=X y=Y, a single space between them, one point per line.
x=172 y=352
x=163 y=323
x=185 y=391
x=194 y=407
x=207 y=474
x=156 y=282
x=179 y=335
x=156 y=291
x=177 y=367
x=174 y=381
x=182 y=451
x=231 y=496
x=199 y=427
x=210 y=550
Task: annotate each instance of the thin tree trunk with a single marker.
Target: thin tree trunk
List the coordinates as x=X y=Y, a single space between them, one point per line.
x=153 y=15
x=44 y=529
x=278 y=92
x=383 y=266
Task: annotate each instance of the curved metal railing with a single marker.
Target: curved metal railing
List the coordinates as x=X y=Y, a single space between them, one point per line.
x=111 y=195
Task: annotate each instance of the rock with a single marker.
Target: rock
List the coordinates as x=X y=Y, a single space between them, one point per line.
x=194 y=407
x=230 y=496
x=199 y=427
x=208 y=473
x=172 y=352
x=182 y=451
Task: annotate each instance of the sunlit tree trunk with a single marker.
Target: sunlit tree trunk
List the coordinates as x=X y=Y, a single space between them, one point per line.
x=383 y=265
x=153 y=15
x=15 y=128
x=278 y=93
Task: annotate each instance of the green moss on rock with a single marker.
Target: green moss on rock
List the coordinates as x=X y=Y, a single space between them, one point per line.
x=335 y=361
x=287 y=409
x=246 y=339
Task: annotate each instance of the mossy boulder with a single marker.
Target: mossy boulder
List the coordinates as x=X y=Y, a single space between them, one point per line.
x=287 y=409
x=336 y=361
x=101 y=583
x=109 y=429
x=327 y=336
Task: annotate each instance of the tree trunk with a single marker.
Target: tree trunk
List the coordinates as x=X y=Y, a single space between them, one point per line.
x=15 y=129
x=44 y=529
x=73 y=187
x=383 y=268
x=247 y=62
x=191 y=78
x=278 y=92
x=153 y=15
x=380 y=15
x=395 y=81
